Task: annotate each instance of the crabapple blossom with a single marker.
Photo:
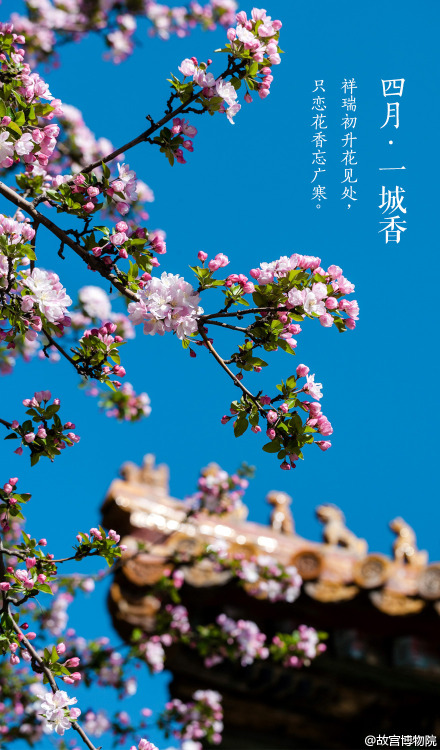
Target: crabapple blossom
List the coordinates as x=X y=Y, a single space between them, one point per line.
x=95 y=302
x=48 y=293
x=167 y=304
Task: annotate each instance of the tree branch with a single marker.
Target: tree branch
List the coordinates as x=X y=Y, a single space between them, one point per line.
x=62 y=351
x=222 y=364
x=93 y=262
x=157 y=125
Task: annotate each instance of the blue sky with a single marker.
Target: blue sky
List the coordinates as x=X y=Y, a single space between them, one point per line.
x=246 y=191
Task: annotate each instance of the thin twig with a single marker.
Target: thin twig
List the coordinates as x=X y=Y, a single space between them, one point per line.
x=222 y=364
x=243 y=311
x=62 y=351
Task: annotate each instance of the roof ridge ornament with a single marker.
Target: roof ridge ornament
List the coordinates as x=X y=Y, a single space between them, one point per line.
x=335 y=531
x=281 y=519
x=148 y=474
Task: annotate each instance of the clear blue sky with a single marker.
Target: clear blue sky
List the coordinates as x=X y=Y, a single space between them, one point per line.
x=246 y=191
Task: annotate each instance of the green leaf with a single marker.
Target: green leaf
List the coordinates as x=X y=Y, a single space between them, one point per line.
x=285 y=346
x=51 y=410
x=272 y=447
x=240 y=426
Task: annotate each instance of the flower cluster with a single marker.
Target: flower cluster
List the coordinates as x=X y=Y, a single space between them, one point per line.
x=97 y=354
x=321 y=294
x=237 y=640
x=46 y=291
x=253 y=45
x=97 y=542
x=167 y=304
x=218 y=492
x=48 y=22
x=266 y=578
x=125 y=404
x=153 y=653
x=13 y=232
x=298 y=649
x=11 y=503
x=21 y=136
x=32 y=301
x=202 y=718
x=57 y=715
x=36 y=433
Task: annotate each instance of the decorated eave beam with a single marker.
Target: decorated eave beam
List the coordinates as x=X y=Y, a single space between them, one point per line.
x=339 y=569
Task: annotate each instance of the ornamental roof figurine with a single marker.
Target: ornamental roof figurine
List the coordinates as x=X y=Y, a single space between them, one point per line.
x=139 y=506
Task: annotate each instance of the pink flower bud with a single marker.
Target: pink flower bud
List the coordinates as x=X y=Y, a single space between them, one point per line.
x=61 y=649
x=302 y=371
x=326 y=320
x=202 y=256
x=272 y=416
x=315 y=409
x=73 y=662
x=323 y=444
x=331 y=303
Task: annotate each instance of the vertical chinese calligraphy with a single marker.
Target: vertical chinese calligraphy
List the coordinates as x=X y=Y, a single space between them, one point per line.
x=349 y=147
x=392 y=198
x=319 y=139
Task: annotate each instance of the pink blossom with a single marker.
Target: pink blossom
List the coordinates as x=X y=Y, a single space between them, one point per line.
x=323 y=444
x=326 y=320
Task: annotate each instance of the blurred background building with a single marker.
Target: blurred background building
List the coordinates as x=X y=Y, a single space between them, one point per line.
x=381 y=671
